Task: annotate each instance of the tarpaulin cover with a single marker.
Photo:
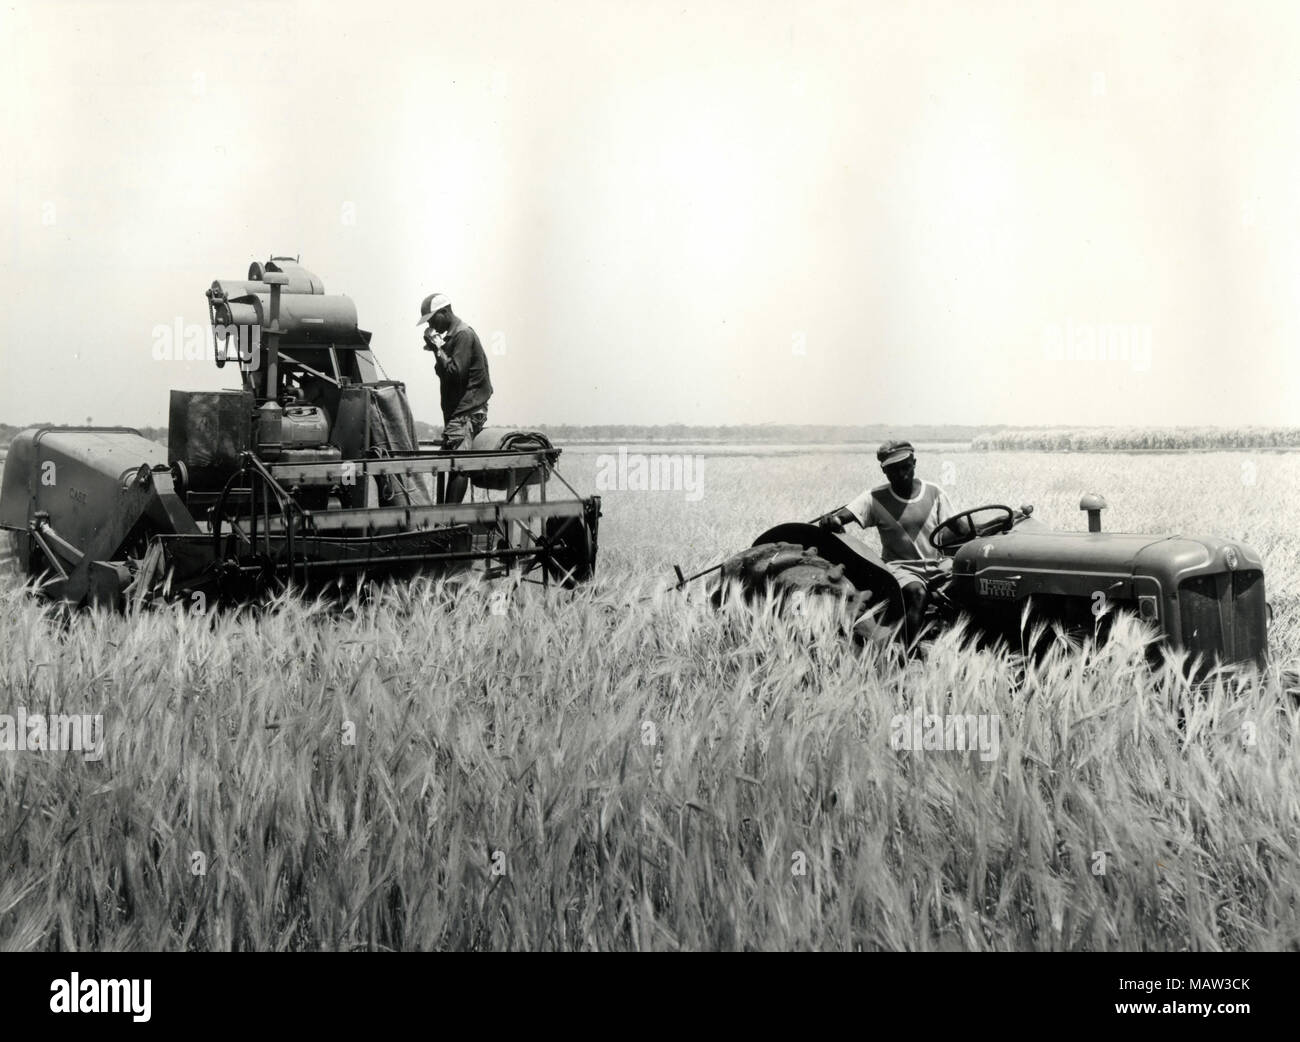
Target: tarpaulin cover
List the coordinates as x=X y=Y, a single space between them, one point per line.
x=508 y=439
x=392 y=430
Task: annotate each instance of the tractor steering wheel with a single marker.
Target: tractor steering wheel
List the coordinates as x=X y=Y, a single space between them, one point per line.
x=962 y=528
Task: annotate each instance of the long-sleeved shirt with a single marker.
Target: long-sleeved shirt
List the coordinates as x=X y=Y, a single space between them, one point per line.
x=464 y=380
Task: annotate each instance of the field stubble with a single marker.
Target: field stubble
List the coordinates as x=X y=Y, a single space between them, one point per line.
x=625 y=768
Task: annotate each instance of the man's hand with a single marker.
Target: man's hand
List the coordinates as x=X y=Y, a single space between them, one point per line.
x=834 y=521
x=430 y=339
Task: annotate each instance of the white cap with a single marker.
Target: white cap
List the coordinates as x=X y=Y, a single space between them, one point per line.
x=433 y=303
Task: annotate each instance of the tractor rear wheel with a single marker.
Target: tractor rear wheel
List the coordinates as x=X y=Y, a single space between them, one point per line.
x=797 y=576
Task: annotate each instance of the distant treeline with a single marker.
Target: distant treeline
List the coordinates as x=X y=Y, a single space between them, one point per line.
x=1120 y=439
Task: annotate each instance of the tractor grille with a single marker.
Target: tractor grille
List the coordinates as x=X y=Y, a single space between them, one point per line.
x=1249 y=616
x=1202 y=627
x=1223 y=616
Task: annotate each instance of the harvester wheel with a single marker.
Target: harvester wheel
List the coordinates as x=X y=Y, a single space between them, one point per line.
x=794 y=575
x=571 y=553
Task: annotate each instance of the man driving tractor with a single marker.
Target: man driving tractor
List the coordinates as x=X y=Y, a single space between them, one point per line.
x=904 y=510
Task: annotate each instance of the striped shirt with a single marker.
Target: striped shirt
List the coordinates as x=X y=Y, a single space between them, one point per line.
x=904 y=524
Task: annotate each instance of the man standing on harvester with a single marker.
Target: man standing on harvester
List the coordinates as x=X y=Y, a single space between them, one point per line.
x=462 y=369
x=904 y=510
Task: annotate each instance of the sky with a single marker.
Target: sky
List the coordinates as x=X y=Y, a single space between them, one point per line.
x=652 y=213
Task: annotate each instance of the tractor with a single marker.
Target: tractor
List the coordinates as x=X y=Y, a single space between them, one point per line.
x=1201 y=594
x=308 y=474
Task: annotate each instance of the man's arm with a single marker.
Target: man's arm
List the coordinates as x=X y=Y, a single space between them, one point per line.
x=858 y=510
x=836 y=519
x=457 y=354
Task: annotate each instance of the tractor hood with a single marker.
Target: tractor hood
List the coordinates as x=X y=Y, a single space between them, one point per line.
x=1116 y=554
x=1079 y=551
x=1204 y=594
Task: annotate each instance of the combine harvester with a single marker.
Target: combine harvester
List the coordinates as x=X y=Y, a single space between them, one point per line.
x=310 y=474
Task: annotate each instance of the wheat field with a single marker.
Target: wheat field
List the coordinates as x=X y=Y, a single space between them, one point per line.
x=624 y=768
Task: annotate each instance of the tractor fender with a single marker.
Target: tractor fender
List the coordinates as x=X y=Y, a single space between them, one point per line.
x=862 y=566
